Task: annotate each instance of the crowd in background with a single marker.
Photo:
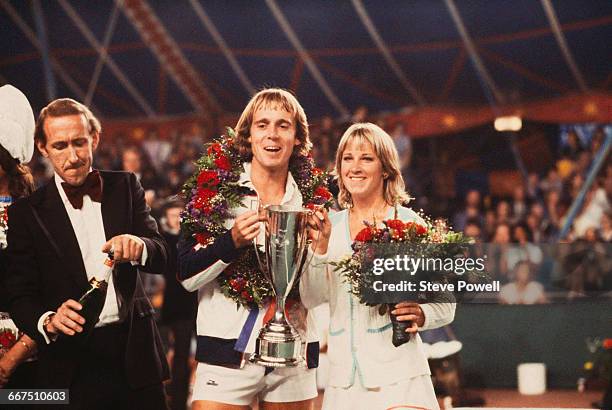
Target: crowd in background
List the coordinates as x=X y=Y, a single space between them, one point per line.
x=520 y=223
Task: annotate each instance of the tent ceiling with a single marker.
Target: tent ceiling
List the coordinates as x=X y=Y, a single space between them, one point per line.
x=513 y=40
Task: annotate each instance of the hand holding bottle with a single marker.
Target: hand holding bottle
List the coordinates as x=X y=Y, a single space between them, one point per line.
x=126 y=248
x=66 y=320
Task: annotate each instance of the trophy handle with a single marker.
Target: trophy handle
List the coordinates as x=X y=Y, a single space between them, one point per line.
x=310 y=242
x=255 y=205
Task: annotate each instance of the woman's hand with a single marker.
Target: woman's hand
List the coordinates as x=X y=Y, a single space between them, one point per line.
x=6 y=369
x=319 y=230
x=410 y=311
x=4 y=376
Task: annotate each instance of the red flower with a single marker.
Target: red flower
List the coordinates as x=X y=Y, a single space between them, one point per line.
x=418 y=229
x=237 y=284
x=317 y=171
x=223 y=163
x=202 y=238
x=7 y=339
x=322 y=192
x=203 y=197
x=208 y=178
x=607 y=344
x=246 y=296
x=202 y=200
x=215 y=148
x=395 y=224
x=397 y=235
x=365 y=235
x=311 y=206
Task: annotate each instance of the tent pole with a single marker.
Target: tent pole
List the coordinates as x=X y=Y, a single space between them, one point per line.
x=41 y=30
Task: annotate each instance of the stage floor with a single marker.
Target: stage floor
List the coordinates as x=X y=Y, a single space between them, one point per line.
x=512 y=398
x=552 y=398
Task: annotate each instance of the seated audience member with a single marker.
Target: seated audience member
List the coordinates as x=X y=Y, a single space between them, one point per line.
x=522 y=290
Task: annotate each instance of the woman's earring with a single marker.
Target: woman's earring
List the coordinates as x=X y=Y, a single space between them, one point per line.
x=385 y=175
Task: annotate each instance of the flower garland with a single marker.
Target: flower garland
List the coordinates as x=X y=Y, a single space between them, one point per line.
x=214 y=190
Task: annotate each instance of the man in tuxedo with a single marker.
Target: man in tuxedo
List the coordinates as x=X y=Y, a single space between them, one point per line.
x=59 y=236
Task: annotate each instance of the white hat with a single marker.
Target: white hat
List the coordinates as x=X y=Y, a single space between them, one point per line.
x=16 y=124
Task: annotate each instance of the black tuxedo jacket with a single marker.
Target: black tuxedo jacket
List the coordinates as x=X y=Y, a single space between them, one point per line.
x=46 y=268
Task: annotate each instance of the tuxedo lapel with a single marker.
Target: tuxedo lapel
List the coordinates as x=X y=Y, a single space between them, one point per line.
x=55 y=223
x=115 y=207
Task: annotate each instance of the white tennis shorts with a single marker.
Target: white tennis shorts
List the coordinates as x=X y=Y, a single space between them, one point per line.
x=241 y=386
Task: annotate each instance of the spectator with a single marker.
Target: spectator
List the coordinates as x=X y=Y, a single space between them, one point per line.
x=535 y=228
x=573 y=146
x=519 y=204
x=565 y=167
x=582 y=163
x=325 y=145
x=606 y=227
x=499 y=260
x=490 y=224
x=360 y=114
x=403 y=143
x=522 y=290
x=533 y=191
x=132 y=161
x=473 y=230
x=552 y=208
x=502 y=212
x=178 y=309
x=595 y=206
x=522 y=248
x=470 y=211
x=552 y=182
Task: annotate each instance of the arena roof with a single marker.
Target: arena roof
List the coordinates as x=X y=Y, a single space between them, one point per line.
x=169 y=57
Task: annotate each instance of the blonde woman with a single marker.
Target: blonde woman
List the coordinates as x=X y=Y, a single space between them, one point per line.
x=366 y=370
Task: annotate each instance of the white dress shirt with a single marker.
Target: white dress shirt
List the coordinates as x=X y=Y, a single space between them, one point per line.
x=88 y=228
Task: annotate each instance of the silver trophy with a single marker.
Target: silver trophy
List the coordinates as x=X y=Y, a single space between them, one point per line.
x=286 y=250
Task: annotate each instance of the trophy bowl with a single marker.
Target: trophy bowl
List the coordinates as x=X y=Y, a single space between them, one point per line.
x=286 y=251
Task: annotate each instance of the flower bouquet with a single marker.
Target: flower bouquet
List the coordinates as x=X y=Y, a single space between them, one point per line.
x=404 y=240
x=8 y=333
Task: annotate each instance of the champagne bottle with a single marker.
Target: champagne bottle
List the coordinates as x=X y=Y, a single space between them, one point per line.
x=93 y=299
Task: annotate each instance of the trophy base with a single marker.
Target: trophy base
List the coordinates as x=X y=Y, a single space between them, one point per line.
x=278 y=345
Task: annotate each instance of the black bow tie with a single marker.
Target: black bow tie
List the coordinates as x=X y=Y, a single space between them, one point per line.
x=92 y=187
